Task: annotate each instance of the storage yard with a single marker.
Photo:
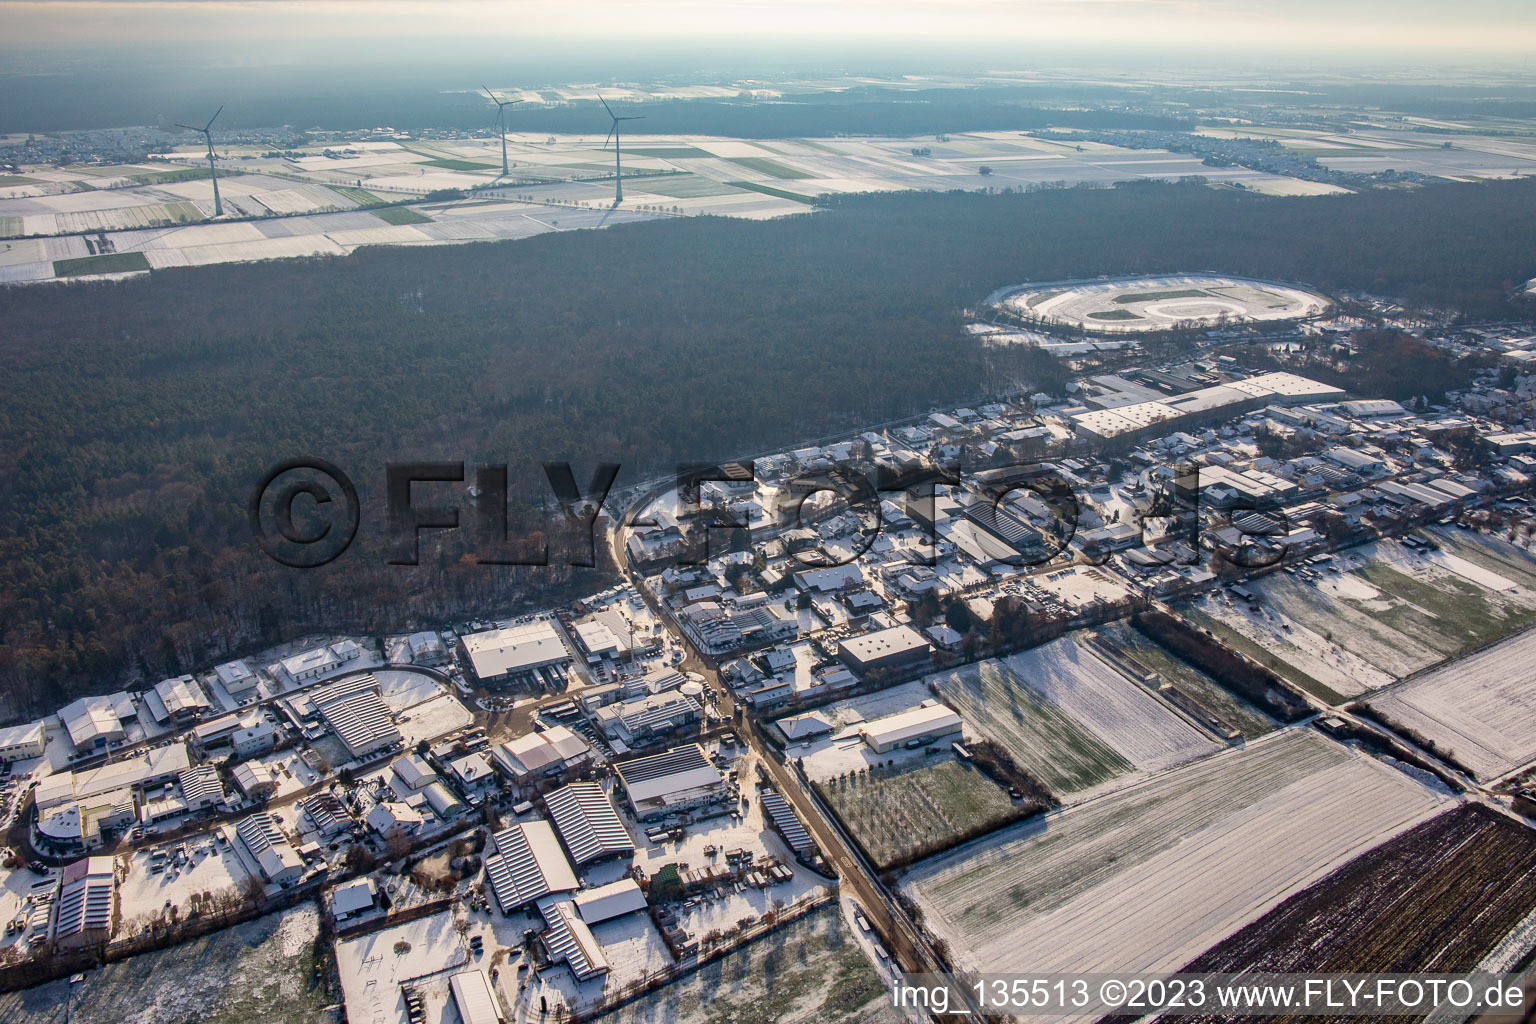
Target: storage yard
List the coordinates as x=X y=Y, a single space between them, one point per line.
x=1170 y=866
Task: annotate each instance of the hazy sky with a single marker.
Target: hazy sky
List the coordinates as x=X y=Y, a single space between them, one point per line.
x=1356 y=28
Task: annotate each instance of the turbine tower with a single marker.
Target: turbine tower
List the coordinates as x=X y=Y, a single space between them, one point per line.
x=501 y=124
x=218 y=207
x=618 y=165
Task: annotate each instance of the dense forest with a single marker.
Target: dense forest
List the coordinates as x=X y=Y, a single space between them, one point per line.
x=138 y=415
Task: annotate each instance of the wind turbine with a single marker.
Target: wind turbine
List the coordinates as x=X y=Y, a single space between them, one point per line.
x=501 y=124
x=618 y=165
x=218 y=207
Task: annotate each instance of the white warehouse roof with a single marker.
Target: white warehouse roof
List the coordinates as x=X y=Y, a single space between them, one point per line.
x=609 y=901
x=928 y=719
x=518 y=648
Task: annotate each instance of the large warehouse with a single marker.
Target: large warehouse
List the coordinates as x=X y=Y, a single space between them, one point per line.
x=498 y=654
x=528 y=865
x=894 y=648
x=925 y=723
x=671 y=781
x=588 y=823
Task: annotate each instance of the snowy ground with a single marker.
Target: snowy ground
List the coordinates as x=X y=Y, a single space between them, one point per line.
x=260 y=972
x=437 y=717
x=1126 y=716
x=212 y=867
x=374 y=966
x=1144 y=879
x=1481 y=709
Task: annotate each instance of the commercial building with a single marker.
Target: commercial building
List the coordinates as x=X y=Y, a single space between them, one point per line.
x=270 y=848
x=177 y=701
x=256 y=780
x=588 y=823
x=391 y=819
x=316 y=664
x=527 y=866
x=20 y=742
x=925 y=723
x=498 y=654
x=548 y=752
x=673 y=781
x=888 y=649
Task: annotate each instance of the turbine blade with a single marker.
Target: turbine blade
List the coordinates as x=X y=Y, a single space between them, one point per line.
x=632 y=117
x=609 y=139
x=187 y=127
x=605 y=105
x=490 y=94
x=215 y=117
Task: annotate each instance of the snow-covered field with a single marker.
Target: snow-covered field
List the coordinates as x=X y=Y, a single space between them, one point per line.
x=436 y=717
x=211 y=868
x=253 y=973
x=373 y=966
x=1145 y=878
x=1124 y=715
x=1481 y=709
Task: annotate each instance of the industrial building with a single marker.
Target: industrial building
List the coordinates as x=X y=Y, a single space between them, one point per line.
x=1165 y=415
x=97 y=722
x=177 y=701
x=356 y=713
x=927 y=722
x=549 y=752
x=635 y=721
x=786 y=823
x=528 y=865
x=85 y=904
x=588 y=823
x=675 y=780
x=887 y=649
x=237 y=679
x=569 y=939
x=500 y=654
x=607 y=902
x=474 y=999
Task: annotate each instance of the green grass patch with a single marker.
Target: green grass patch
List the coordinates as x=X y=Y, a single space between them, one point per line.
x=452 y=164
x=1458 y=609
x=360 y=196
x=10 y=226
x=169 y=177
x=1187 y=293
x=7 y=180
x=1113 y=314
x=670 y=152
x=772 y=168
x=917 y=808
x=688 y=186
x=769 y=190
x=111 y=263
x=401 y=215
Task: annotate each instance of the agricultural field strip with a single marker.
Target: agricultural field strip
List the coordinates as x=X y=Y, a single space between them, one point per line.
x=1042 y=738
x=1126 y=716
x=1252 y=722
x=1453 y=893
x=1169 y=866
x=1339 y=673
x=1481 y=709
